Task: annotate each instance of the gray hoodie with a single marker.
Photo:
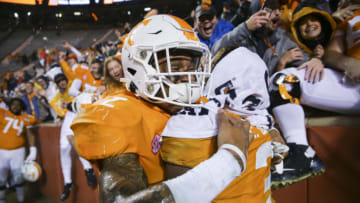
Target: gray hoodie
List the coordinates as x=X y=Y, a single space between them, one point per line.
x=254 y=41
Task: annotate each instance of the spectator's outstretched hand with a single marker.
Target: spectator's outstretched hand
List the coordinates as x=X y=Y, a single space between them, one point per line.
x=62 y=56
x=117 y=33
x=66 y=44
x=314 y=70
x=343 y=13
x=294 y=54
x=257 y=20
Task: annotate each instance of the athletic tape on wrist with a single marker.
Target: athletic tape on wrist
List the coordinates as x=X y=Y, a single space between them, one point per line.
x=207 y=180
x=237 y=151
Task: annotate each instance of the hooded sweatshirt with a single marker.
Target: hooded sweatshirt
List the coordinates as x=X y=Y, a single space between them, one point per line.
x=328 y=27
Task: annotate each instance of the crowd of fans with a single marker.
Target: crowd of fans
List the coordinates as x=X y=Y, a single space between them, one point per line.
x=37 y=83
x=304 y=35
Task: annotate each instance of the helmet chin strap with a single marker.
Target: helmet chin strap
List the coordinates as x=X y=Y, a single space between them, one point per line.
x=184 y=93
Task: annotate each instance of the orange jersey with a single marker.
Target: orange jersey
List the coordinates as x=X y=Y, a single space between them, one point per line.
x=351 y=28
x=253 y=186
x=121 y=123
x=88 y=82
x=12 y=129
x=72 y=74
x=113 y=90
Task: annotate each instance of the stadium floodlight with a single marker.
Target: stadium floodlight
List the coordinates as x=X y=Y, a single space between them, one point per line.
x=73 y=2
x=129 y=12
x=28 y=13
x=77 y=13
x=58 y=15
x=147 y=9
x=16 y=15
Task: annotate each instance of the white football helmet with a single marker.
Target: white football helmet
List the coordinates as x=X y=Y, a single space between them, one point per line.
x=31 y=171
x=82 y=100
x=148 y=57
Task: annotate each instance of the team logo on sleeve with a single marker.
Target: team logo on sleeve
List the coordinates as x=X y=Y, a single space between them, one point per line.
x=156 y=144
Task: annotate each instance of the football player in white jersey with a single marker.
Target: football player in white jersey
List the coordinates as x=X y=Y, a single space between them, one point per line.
x=239 y=84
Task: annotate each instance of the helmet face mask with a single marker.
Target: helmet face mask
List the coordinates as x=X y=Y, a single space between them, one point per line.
x=170 y=67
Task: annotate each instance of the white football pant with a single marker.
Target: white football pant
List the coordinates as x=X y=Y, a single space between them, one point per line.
x=335 y=92
x=65 y=148
x=12 y=160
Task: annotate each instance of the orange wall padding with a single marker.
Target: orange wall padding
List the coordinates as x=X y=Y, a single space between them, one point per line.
x=51 y=182
x=338 y=147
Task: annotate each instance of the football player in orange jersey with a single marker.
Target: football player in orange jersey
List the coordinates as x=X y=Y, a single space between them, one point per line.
x=167 y=66
x=14 y=124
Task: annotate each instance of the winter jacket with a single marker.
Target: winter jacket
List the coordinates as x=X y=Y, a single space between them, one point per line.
x=221 y=28
x=254 y=41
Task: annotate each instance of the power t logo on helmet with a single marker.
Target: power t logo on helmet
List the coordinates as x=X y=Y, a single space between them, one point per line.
x=164 y=61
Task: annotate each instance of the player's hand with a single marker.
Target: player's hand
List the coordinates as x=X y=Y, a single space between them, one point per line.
x=257 y=20
x=314 y=70
x=280 y=148
x=234 y=131
x=32 y=154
